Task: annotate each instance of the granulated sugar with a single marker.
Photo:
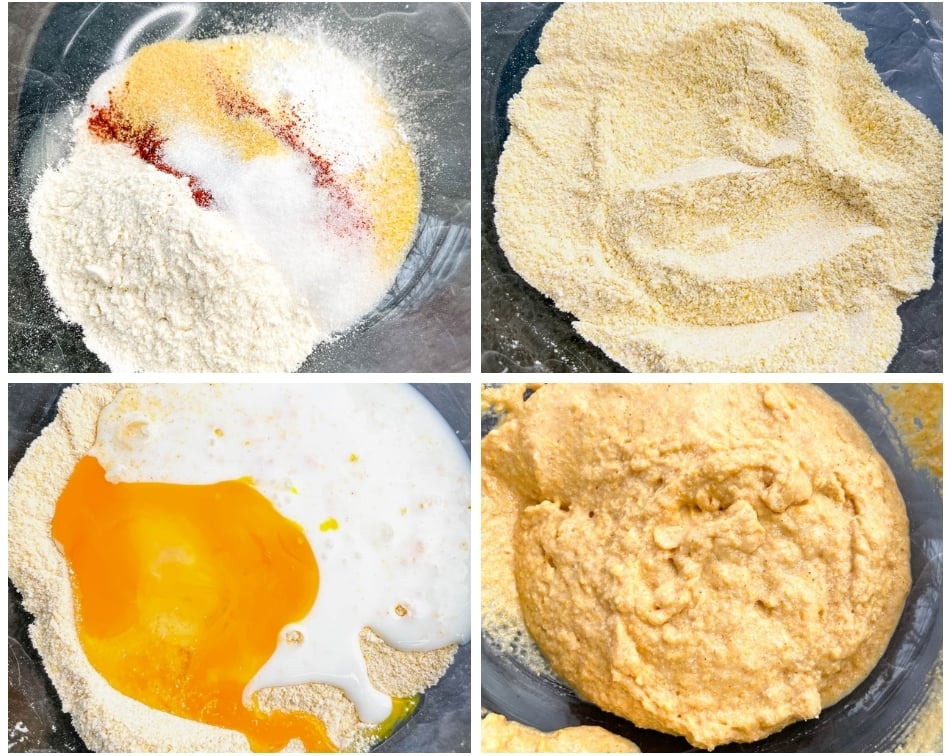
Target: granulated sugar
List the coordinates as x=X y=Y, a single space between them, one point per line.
x=719 y=186
x=220 y=211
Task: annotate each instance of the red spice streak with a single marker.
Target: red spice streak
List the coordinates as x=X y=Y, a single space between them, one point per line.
x=109 y=124
x=239 y=105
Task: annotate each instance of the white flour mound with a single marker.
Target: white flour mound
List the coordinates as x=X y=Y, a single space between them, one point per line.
x=155 y=281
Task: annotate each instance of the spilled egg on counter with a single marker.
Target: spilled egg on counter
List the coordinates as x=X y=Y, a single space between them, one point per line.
x=223 y=539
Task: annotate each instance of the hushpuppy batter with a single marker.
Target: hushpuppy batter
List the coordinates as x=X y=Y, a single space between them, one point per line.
x=711 y=561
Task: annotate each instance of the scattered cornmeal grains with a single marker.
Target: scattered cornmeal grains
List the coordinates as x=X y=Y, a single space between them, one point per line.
x=916 y=411
x=719 y=187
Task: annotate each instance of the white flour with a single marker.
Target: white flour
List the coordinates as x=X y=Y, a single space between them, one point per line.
x=196 y=296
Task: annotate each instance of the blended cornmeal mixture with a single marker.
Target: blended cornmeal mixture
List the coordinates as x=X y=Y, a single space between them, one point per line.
x=711 y=561
x=719 y=187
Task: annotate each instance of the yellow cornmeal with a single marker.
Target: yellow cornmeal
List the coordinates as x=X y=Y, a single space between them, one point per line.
x=392 y=191
x=924 y=733
x=500 y=735
x=175 y=82
x=715 y=561
x=916 y=411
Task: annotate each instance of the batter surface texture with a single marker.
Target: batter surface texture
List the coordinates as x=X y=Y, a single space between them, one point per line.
x=712 y=561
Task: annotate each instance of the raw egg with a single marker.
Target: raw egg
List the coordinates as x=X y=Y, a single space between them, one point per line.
x=169 y=579
x=225 y=539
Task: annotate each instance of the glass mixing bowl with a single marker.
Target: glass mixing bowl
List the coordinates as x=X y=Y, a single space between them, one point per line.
x=522 y=331
x=36 y=722
x=877 y=716
x=420 y=50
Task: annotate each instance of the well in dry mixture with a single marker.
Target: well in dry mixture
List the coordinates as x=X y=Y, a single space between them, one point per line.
x=136 y=434
x=719 y=187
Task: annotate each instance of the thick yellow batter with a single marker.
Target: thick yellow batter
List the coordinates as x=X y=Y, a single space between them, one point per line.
x=713 y=561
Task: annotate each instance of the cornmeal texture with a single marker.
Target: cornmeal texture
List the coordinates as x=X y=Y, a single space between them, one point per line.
x=712 y=561
x=500 y=735
x=719 y=186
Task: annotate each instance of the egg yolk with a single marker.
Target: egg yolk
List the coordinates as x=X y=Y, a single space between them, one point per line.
x=181 y=592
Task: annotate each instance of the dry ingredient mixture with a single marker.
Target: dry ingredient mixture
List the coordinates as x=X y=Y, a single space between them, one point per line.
x=712 y=561
x=719 y=187
x=109 y=721
x=500 y=735
x=228 y=204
